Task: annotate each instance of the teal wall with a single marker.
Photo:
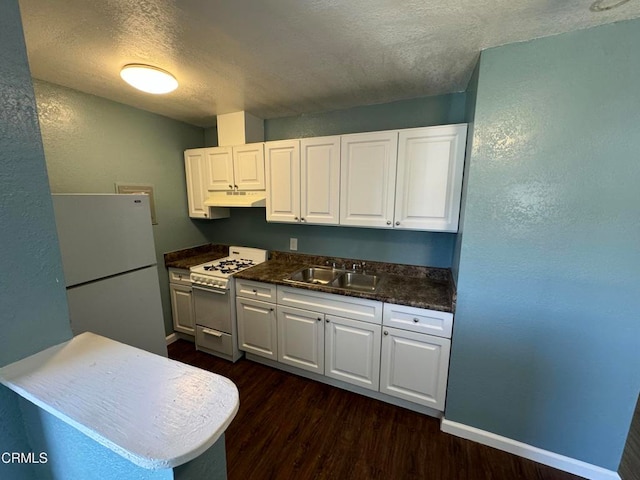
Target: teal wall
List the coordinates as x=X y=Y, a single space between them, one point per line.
x=546 y=335
x=210 y=137
x=249 y=227
x=417 y=112
x=91 y=143
x=33 y=305
x=470 y=112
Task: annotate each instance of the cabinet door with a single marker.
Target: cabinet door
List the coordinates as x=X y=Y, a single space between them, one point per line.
x=196 y=176
x=352 y=351
x=414 y=367
x=219 y=161
x=182 y=308
x=368 y=178
x=257 y=327
x=429 y=183
x=248 y=166
x=301 y=339
x=320 y=180
x=282 y=160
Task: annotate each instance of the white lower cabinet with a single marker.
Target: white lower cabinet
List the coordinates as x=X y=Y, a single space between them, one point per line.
x=352 y=351
x=301 y=338
x=257 y=330
x=181 y=301
x=414 y=367
x=397 y=350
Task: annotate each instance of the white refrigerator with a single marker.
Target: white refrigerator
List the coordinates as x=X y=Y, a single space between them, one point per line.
x=110 y=270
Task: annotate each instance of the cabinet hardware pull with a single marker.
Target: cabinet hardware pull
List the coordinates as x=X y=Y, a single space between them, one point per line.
x=271 y=309
x=231 y=186
x=254 y=291
x=397 y=223
x=295 y=218
x=388 y=222
x=386 y=333
x=415 y=320
x=327 y=320
x=319 y=319
x=302 y=219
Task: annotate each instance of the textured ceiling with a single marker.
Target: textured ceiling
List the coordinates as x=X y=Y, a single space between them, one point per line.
x=277 y=58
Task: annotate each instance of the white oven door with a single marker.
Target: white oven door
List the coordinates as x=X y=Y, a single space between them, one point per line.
x=213 y=308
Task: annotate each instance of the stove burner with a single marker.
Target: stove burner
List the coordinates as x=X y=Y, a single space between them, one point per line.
x=229 y=266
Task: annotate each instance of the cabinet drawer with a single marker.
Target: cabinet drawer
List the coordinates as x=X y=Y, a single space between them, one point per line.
x=180 y=276
x=256 y=290
x=418 y=320
x=340 y=305
x=213 y=340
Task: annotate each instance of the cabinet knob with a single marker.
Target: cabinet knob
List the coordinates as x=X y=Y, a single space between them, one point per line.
x=386 y=333
x=236 y=187
x=302 y=220
x=415 y=320
x=231 y=186
x=295 y=218
x=388 y=222
x=319 y=319
x=271 y=309
x=254 y=291
x=397 y=223
x=327 y=320
x=205 y=215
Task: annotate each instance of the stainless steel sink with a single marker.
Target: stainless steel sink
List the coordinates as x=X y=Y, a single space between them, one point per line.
x=330 y=277
x=357 y=281
x=315 y=275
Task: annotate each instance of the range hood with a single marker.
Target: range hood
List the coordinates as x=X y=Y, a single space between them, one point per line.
x=236 y=199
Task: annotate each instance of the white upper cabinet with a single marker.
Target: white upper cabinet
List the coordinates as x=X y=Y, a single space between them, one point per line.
x=219 y=161
x=248 y=167
x=368 y=177
x=197 y=180
x=320 y=180
x=303 y=180
x=197 y=165
x=236 y=168
x=429 y=178
x=282 y=162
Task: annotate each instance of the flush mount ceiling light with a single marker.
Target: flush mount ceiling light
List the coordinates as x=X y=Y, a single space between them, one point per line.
x=148 y=79
x=604 y=5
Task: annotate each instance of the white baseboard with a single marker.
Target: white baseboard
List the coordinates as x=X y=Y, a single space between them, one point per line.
x=172 y=338
x=567 y=464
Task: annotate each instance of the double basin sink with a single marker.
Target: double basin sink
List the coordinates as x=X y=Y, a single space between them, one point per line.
x=330 y=277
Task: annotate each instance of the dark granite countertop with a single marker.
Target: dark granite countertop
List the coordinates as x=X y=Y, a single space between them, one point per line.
x=411 y=285
x=415 y=286
x=190 y=257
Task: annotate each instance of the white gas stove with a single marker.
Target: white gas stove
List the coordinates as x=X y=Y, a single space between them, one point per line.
x=214 y=302
x=216 y=274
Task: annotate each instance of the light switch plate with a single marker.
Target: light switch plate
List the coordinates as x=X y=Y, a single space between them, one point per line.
x=293 y=244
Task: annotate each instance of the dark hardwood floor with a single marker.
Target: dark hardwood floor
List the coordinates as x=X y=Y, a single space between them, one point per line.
x=289 y=427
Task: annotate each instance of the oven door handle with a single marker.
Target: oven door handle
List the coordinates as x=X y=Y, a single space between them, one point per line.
x=212 y=290
x=208 y=331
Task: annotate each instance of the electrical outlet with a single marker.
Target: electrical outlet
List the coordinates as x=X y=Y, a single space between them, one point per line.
x=293 y=244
